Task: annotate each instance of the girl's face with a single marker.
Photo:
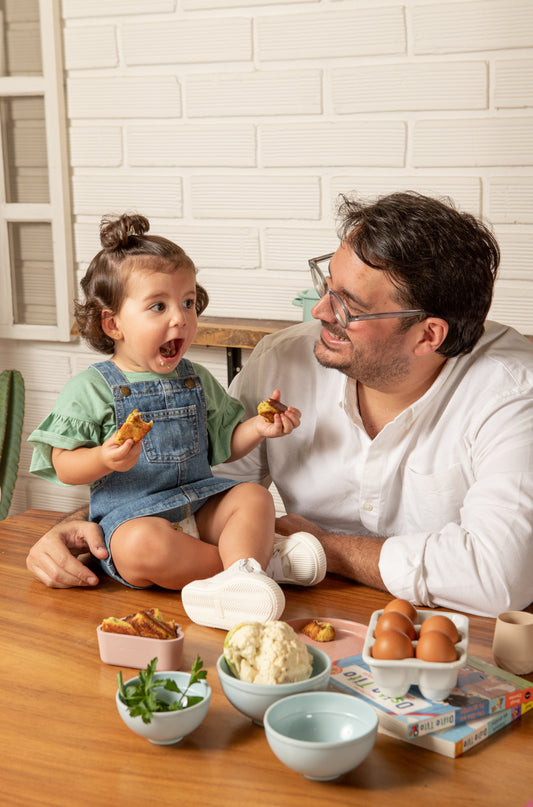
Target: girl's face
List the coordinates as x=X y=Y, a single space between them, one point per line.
x=156 y=323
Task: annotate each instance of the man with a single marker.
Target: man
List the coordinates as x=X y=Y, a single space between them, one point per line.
x=413 y=464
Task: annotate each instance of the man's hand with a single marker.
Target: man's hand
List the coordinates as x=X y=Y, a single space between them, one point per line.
x=52 y=560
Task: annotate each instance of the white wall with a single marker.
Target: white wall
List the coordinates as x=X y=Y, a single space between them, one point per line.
x=234 y=124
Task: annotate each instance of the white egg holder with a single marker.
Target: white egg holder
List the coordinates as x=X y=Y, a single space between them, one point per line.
x=435 y=680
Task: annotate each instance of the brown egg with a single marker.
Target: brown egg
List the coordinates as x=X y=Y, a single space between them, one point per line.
x=435 y=646
x=442 y=623
x=395 y=620
x=392 y=644
x=404 y=606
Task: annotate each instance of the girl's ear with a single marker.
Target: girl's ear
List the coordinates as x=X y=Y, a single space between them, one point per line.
x=110 y=325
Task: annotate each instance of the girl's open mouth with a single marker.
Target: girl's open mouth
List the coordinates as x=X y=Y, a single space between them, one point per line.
x=170 y=349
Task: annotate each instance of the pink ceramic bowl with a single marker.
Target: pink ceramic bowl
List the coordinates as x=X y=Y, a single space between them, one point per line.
x=138 y=651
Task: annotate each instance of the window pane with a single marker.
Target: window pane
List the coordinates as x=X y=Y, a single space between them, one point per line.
x=21 y=39
x=25 y=157
x=32 y=273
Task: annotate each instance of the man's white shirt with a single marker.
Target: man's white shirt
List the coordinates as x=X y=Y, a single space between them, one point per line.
x=449 y=481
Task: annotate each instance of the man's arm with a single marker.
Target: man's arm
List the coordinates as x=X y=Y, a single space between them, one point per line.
x=53 y=559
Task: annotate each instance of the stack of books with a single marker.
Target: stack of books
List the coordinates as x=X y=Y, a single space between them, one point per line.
x=484 y=700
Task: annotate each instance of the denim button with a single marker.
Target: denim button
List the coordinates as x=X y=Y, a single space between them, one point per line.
x=125 y=391
x=190 y=383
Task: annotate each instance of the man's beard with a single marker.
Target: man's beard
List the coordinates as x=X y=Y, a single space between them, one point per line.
x=378 y=371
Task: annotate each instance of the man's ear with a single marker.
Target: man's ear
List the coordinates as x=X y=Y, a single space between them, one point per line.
x=431 y=334
x=110 y=325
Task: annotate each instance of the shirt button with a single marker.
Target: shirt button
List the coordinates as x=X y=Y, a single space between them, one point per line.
x=125 y=391
x=368 y=506
x=190 y=383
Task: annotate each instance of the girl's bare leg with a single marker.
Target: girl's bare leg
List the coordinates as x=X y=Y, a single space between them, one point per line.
x=241 y=521
x=149 y=551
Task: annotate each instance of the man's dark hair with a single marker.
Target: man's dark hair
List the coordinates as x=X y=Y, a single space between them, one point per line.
x=440 y=259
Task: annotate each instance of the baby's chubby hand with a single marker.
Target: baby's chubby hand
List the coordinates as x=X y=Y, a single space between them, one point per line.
x=282 y=423
x=120 y=458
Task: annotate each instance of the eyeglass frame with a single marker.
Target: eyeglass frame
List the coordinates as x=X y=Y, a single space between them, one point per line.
x=322 y=290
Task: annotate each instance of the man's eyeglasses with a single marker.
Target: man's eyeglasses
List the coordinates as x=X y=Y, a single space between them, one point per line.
x=342 y=315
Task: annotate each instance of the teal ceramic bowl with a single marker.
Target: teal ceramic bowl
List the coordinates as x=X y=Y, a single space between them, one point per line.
x=321 y=734
x=254 y=699
x=166 y=728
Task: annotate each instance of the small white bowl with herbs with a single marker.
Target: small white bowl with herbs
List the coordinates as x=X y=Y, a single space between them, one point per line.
x=164 y=707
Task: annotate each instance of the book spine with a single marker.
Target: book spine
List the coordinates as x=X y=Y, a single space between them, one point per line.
x=455 y=748
x=499 y=721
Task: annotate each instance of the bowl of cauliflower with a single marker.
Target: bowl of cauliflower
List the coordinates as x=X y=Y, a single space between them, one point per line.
x=263 y=662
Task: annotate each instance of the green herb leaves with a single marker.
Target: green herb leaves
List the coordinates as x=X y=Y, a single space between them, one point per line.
x=142 y=698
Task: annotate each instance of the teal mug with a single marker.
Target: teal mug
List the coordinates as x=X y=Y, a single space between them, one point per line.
x=306 y=300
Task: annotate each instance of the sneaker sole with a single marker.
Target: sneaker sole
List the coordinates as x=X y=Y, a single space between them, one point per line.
x=319 y=556
x=233 y=601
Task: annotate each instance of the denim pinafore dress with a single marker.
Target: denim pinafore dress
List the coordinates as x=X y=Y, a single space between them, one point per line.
x=172 y=477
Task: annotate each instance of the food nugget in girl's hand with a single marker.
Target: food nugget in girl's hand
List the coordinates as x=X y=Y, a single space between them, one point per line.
x=133 y=428
x=267 y=409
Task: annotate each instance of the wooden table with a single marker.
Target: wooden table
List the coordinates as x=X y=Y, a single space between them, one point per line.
x=63 y=743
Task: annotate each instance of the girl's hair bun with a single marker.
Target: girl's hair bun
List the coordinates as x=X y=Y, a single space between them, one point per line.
x=115 y=233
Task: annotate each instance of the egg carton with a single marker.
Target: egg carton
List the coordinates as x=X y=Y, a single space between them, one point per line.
x=435 y=680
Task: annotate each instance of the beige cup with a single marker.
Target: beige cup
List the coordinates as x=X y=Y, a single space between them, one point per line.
x=512 y=646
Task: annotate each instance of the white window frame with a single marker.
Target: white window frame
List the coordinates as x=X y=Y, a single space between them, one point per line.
x=49 y=86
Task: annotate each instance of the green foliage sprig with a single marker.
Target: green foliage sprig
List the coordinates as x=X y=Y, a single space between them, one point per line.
x=142 y=700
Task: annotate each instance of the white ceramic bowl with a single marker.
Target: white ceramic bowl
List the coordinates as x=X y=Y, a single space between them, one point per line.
x=254 y=699
x=434 y=679
x=166 y=728
x=321 y=734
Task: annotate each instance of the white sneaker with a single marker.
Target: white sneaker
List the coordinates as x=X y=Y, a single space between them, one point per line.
x=242 y=593
x=298 y=559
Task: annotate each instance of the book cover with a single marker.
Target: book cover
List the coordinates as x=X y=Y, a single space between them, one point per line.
x=482 y=690
x=461 y=738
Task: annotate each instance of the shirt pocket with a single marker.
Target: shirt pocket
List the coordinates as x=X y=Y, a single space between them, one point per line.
x=433 y=499
x=175 y=435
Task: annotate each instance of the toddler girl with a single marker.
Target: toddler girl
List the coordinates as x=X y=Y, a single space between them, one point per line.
x=141 y=306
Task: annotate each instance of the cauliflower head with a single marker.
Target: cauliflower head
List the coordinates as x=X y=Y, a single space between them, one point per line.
x=267 y=653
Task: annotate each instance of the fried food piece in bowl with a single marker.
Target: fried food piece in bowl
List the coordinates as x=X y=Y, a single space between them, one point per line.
x=319 y=631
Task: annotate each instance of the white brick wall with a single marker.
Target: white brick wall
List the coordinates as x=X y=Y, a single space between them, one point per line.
x=262 y=94
x=192 y=145
x=461 y=27
x=188 y=41
x=234 y=125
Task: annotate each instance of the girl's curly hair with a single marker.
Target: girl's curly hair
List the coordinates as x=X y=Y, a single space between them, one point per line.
x=123 y=241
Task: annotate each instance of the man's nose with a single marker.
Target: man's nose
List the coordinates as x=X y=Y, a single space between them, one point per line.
x=322 y=309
